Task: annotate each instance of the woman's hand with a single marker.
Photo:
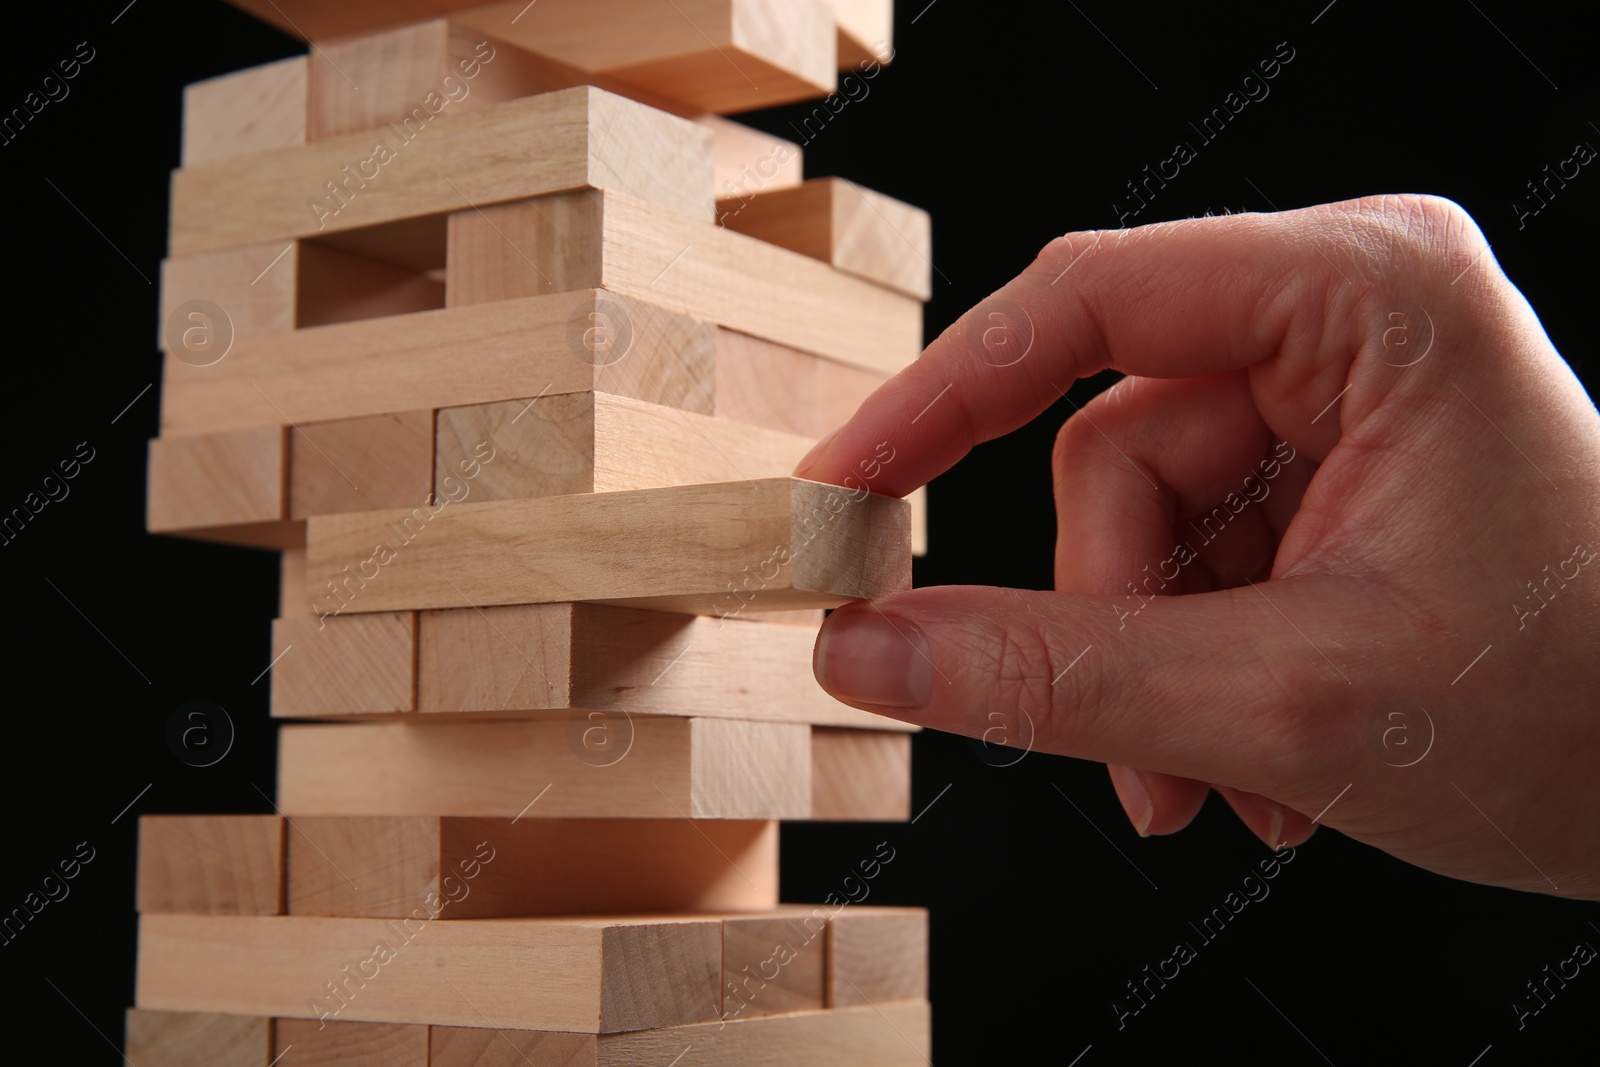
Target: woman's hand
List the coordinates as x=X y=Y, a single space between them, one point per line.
x=1331 y=548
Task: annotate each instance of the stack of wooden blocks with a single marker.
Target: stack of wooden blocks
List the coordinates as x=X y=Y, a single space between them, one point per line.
x=508 y=342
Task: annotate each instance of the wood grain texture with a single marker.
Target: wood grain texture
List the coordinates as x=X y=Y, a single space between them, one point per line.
x=345 y=665
x=887 y=1035
x=768 y=970
x=592 y=238
x=861 y=232
x=211 y=864
x=782 y=388
x=256 y=286
x=373 y=79
x=313 y=1043
x=222 y=487
x=515 y=348
x=543 y=144
x=461 y=868
x=248 y=111
x=860 y=774
x=722 y=549
x=877 y=955
x=549 y=657
x=600 y=442
x=597 y=765
x=378 y=461
x=196 y=1039
x=716 y=55
x=587 y=975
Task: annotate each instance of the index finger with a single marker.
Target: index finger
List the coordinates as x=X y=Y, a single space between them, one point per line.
x=1288 y=293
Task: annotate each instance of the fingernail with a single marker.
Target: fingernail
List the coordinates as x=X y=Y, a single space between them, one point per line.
x=1275 y=828
x=815 y=454
x=1135 y=797
x=865 y=657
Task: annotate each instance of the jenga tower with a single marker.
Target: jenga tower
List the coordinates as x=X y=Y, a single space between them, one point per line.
x=508 y=342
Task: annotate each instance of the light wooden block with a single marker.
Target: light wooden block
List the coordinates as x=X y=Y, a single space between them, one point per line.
x=723 y=549
x=542 y=144
x=861 y=232
x=379 y=461
x=768 y=970
x=596 y=238
x=716 y=55
x=373 y=80
x=455 y=868
x=515 y=348
x=222 y=487
x=746 y=160
x=344 y=665
x=256 y=287
x=885 y=1035
x=248 y=111
x=782 y=388
x=877 y=955
x=292 y=599
x=860 y=774
x=599 y=442
x=194 y=1039
x=313 y=1043
x=550 y=657
x=866 y=32
x=587 y=975
x=211 y=864
x=650 y=768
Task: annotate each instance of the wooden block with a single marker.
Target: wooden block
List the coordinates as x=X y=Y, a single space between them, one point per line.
x=768 y=970
x=455 y=868
x=860 y=774
x=676 y=768
x=861 y=232
x=194 y=1039
x=248 y=111
x=595 y=238
x=379 y=461
x=866 y=32
x=885 y=1035
x=588 y=975
x=781 y=388
x=528 y=658
x=222 y=487
x=349 y=665
x=314 y=1043
x=746 y=160
x=255 y=286
x=877 y=955
x=522 y=148
x=716 y=55
x=411 y=61
x=787 y=543
x=211 y=864
x=292 y=599
x=918 y=499
x=599 y=442
x=566 y=343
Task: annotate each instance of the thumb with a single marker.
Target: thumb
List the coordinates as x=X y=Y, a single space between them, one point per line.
x=1231 y=687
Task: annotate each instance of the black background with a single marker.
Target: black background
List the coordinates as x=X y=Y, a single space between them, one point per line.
x=1011 y=122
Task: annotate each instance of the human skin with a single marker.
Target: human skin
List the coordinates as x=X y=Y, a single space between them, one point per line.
x=1396 y=631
